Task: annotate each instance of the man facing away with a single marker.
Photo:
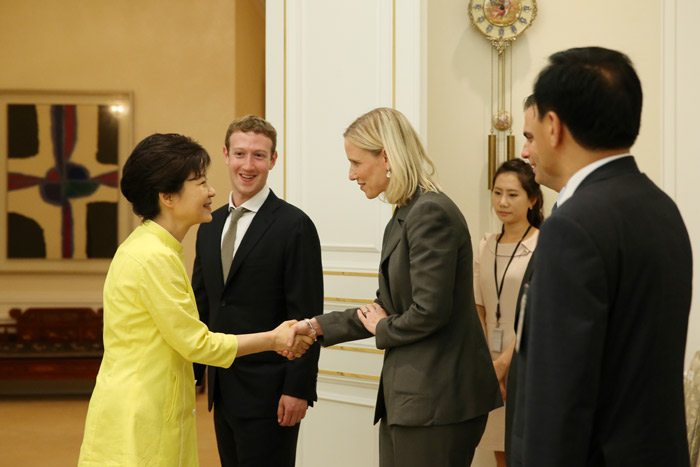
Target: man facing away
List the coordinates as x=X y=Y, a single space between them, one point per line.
x=257 y=264
x=600 y=364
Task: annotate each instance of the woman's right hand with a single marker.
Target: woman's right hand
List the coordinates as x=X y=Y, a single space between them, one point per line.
x=288 y=343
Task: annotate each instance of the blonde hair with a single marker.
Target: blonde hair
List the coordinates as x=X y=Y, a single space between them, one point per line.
x=389 y=130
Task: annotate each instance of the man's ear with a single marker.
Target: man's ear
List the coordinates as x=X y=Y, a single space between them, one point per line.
x=273 y=159
x=555 y=128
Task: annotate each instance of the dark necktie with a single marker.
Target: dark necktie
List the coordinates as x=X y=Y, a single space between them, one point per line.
x=229 y=241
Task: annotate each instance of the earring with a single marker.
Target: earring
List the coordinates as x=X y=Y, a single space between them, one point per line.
x=388 y=172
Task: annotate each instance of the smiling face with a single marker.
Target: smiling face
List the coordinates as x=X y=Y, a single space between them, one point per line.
x=249 y=160
x=192 y=204
x=538 y=150
x=368 y=170
x=530 y=147
x=509 y=199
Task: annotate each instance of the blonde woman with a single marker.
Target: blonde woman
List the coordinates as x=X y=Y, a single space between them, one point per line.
x=438 y=383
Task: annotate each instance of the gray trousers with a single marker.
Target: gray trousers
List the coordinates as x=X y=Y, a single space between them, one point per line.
x=438 y=445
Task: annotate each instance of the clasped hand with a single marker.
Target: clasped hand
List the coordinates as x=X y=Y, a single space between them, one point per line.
x=370 y=315
x=287 y=343
x=300 y=329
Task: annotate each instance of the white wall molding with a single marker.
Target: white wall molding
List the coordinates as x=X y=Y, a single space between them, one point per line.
x=327 y=63
x=680 y=126
x=668 y=97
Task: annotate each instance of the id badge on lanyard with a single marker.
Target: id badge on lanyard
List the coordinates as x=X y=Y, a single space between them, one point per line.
x=496 y=337
x=496 y=340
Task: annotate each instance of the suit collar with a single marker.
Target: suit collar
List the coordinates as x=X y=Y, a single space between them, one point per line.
x=214 y=231
x=624 y=165
x=261 y=222
x=392 y=234
x=583 y=173
x=218 y=219
x=253 y=204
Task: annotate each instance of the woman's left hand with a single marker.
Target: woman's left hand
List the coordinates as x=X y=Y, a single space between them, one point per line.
x=502 y=375
x=370 y=315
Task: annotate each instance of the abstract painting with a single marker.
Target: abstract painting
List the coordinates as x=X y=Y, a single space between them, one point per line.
x=61 y=160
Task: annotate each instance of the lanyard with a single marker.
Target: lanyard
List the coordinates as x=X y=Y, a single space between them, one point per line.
x=503 y=279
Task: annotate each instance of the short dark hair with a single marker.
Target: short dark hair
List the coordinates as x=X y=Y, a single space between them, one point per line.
x=596 y=93
x=256 y=125
x=526 y=176
x=161 y=163
x=529 y=102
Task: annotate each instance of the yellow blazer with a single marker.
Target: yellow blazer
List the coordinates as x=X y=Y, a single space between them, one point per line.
x=142 y=411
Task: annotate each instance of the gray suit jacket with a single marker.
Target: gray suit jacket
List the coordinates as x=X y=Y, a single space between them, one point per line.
x=437 y=367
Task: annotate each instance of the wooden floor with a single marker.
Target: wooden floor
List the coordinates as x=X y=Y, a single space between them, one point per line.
x=47 y=431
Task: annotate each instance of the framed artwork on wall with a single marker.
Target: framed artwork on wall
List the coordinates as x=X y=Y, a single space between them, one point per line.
x=60 y=156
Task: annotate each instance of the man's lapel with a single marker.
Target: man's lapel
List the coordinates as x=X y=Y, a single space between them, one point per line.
x=212 y=254
x=624 y=165
x=261 y=222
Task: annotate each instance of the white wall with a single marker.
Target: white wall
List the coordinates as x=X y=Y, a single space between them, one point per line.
x=328 y=63
x=680 y=157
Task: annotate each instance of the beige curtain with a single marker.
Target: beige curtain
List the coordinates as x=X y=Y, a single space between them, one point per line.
x=692 y=409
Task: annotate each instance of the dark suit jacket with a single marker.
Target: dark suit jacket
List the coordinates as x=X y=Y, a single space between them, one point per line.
x=437 y=367
x=512 y=382
x=601 y=358
x=276 y=275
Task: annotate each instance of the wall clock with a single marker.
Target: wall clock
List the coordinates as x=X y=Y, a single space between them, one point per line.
x=501 y=22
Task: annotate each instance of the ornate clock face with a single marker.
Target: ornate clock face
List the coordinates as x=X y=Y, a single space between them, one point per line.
x=502 y=20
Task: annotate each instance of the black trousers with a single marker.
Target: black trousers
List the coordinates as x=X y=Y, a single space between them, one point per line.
x=252 y=442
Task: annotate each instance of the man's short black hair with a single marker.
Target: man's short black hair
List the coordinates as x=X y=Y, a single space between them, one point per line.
x=596 y=93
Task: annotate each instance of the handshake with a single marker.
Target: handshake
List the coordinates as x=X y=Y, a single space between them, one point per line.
x=292 y=338
x=288 y=342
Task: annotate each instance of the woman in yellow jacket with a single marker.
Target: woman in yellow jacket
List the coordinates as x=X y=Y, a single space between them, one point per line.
x=142 y=410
